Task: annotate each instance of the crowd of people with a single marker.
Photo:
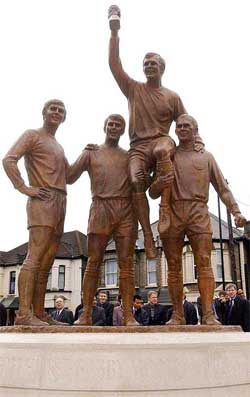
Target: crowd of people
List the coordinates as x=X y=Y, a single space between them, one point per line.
x=230 y=308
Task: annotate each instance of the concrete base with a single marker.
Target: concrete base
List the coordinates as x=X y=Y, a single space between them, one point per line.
x=138 y=364
x=23 y=329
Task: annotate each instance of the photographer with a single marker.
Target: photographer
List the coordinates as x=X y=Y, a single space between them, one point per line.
x=220 y=306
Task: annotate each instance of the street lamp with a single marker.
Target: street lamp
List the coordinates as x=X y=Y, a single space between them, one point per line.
x=221 y=245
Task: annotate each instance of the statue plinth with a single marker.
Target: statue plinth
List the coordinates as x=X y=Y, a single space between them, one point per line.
x=128 y=329
x=104 y=364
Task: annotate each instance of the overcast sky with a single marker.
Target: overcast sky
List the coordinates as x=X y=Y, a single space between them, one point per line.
x=59 y=49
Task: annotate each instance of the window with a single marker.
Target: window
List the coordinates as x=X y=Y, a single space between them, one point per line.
x=49 y=283
x=195 y=273
x=111 y=273
x=151 y=270
x=12 y=282
x=61 y=277
x=218 y=264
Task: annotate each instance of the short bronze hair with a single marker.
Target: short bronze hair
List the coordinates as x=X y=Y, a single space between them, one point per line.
x=114 y=116
x=160 y=59
x=53 y=102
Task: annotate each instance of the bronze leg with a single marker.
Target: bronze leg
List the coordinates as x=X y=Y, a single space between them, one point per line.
x=125 y=252
x=39 y=242
x=173 y=250
x=163 y=151
x=97 y=244
x=165 y=168
x=141 y=207
x=42 y=280
x=202 y=245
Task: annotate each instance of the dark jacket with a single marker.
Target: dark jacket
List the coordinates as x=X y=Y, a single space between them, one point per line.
x=77 y=311
x=156 y=313
x=3 y=315
x=98 y=316
x=108 y=308
x=220 y=310
x=66 y=316
x=190 y=313
x=141 y=316
x=240 y=313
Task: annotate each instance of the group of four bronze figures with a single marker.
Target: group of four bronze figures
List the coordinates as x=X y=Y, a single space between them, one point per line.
x=180 y=176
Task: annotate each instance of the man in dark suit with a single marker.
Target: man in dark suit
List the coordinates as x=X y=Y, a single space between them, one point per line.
x=98 y=314
x=108 y=307
x=237 y=309
x=3 y=315
x=190 y=313
x=61 y=314
x=140 y=315
x=220 y=306
x=156 y=311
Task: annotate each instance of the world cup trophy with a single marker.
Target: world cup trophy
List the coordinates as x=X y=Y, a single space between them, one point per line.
x=114 y=15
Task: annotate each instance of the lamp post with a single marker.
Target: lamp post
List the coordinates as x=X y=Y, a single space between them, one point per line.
x=221 y=245
x=231 y=247
x=246 y=264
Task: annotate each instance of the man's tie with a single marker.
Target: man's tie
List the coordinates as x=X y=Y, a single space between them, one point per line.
x=57 y=314
x=231 y=303
x=152 y=312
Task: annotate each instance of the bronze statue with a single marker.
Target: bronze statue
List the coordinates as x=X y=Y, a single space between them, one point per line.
x=111 y=215
x=152 y=108
x=46 y=167
x=194 y=171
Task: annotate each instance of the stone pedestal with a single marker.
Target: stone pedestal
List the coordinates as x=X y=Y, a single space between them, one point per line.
x=125 y=364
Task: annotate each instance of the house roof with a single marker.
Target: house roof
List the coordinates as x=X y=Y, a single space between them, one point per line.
x=11 y=302
x=73 y=244
x=224 y=228
x=215 y=227
x=14 y=256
